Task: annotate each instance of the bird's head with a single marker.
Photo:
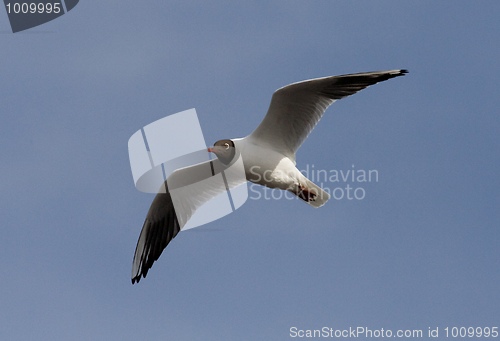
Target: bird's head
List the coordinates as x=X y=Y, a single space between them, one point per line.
x=224 y=149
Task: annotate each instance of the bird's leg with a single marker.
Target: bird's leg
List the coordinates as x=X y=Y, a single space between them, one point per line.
x=305 y=193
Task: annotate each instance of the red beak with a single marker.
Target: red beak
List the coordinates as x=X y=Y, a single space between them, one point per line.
x=210 y=150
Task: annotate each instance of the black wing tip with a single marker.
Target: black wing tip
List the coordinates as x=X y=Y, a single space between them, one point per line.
x=391 y=74
x=137 y=278
x=395 y=73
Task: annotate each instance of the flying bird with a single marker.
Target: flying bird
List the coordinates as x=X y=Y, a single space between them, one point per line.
x=268 y=155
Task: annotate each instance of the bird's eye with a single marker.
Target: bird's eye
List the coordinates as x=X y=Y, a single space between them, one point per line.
x=227 y=145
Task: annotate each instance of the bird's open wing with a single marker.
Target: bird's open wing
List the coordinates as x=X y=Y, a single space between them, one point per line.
x=296 y=108
x=185 y=190
x=160 y=227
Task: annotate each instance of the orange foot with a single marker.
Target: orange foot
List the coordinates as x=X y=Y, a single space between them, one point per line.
x=305 y=194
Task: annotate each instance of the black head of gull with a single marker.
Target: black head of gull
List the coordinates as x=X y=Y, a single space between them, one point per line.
x=224 y=149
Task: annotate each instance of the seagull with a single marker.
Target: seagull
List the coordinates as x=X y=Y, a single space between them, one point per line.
x=268 y=155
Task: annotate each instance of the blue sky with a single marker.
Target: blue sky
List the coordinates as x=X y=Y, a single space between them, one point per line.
x=419 y=251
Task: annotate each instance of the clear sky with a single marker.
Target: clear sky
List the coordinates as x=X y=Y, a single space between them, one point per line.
x=420 y=250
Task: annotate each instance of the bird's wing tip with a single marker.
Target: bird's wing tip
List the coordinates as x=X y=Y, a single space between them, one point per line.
x=137 y=278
